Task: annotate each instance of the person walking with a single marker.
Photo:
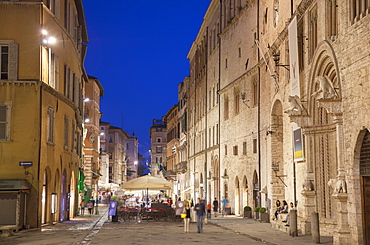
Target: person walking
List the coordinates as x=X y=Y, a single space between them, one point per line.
x=82 y=207
x=187 y=217
x=224 y=204
x=90 y=207
x=200 y=211
x=215 y=206
x=209 y=208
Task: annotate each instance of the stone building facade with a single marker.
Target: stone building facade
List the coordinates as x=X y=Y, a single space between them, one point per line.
x=290 y=82
x=43 y=46
x=132 y=156
x=91 y=148
x=113 y=142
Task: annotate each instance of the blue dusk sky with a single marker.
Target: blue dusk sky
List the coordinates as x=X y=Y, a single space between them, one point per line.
x=137 y=49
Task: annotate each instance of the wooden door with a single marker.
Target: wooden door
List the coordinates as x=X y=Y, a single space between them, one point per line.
x=366 y=208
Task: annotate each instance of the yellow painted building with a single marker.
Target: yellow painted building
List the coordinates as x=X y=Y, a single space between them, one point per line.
x=41 y=93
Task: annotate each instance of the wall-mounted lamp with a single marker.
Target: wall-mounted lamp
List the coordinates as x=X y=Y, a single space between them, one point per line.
x=47 y=39
x=87 y=120
x=244 y=98
x=86 y=100
x=269 y=132
x=277 y=59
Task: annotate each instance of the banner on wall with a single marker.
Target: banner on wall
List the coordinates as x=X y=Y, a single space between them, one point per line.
x=293 y=57
x=298 y=144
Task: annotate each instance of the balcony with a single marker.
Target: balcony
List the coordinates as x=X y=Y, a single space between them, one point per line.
x=181 y=167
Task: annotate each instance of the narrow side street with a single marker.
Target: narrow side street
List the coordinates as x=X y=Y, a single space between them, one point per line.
x=98 y=229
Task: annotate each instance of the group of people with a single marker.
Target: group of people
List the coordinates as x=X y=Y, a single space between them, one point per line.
x=200 y=210
x=283 y=209
x=90 y=206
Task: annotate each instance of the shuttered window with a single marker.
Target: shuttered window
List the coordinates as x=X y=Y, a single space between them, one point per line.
x=5 y=109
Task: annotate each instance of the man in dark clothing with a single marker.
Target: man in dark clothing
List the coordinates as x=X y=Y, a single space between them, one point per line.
x=215 y=206
x=200 y=211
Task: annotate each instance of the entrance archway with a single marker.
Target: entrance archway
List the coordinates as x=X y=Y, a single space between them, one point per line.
x=365 y=184
x=44 y=198
x=237 y=196
x=277 y=153
x=256 y=200
x=245 y=192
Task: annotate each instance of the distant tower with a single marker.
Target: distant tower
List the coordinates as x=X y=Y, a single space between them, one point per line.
x=158 y=138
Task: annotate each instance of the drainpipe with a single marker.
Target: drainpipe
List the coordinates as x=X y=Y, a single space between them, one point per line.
x=206 y=124
x=259 y=110
x=40 y=132
x=219 y=108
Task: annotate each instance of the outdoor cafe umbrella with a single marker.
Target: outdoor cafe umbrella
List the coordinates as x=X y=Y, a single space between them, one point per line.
x=147 y=182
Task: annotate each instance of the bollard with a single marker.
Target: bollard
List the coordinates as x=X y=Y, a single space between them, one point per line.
x=293 y=227
x=315 y=227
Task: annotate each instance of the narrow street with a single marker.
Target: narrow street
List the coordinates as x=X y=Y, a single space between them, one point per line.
x=97 y=229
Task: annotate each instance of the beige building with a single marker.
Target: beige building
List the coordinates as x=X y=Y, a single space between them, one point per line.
x=158 y=138
x=91 y=165
x=42 y=47
x=132 y=156
x=182 y=175
x=290 y=101
x=113 y=143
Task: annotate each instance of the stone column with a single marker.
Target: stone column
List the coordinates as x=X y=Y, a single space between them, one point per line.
x=308 y=207
x=342 y=234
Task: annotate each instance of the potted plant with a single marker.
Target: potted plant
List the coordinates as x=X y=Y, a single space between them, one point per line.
x=247 y=212
x=264 y=217
x=256 y=212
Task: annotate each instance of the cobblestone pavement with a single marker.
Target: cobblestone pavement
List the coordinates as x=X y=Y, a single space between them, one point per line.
x=97 y=229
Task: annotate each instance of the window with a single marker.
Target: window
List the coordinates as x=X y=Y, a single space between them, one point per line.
x=8 y=60
x=225 y=150
x=73 y=146
x=226 y=108
x=332 y=15
x=236 y=101
x=50 y=125
x=66 y=131
x=240 y=52
x=244 y=148
x=235 y=150
x=359 y=8
x=254 y=145
x=225 y=63
x=159 y=149
x=5 y=109
x=4 y=60
x=54 y=6
x=255 y=91
x=159 y=140
x=312 y=31
x=54 y=72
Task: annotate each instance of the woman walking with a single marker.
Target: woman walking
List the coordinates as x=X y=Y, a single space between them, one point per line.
x=187 y=218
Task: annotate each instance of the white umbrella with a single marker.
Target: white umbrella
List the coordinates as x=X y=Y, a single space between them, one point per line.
x=147 y=182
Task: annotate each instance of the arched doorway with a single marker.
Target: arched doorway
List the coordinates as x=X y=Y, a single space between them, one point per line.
x=365 y=184
x=277 y=153
x=72 y=197
x=44 y=199
x=256 y=201
x=216 y=178
x=54 y=198
x=237 y=196
x=245 y=192
x=63 y=197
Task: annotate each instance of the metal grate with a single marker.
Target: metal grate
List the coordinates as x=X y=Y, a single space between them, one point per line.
x=365 y=156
